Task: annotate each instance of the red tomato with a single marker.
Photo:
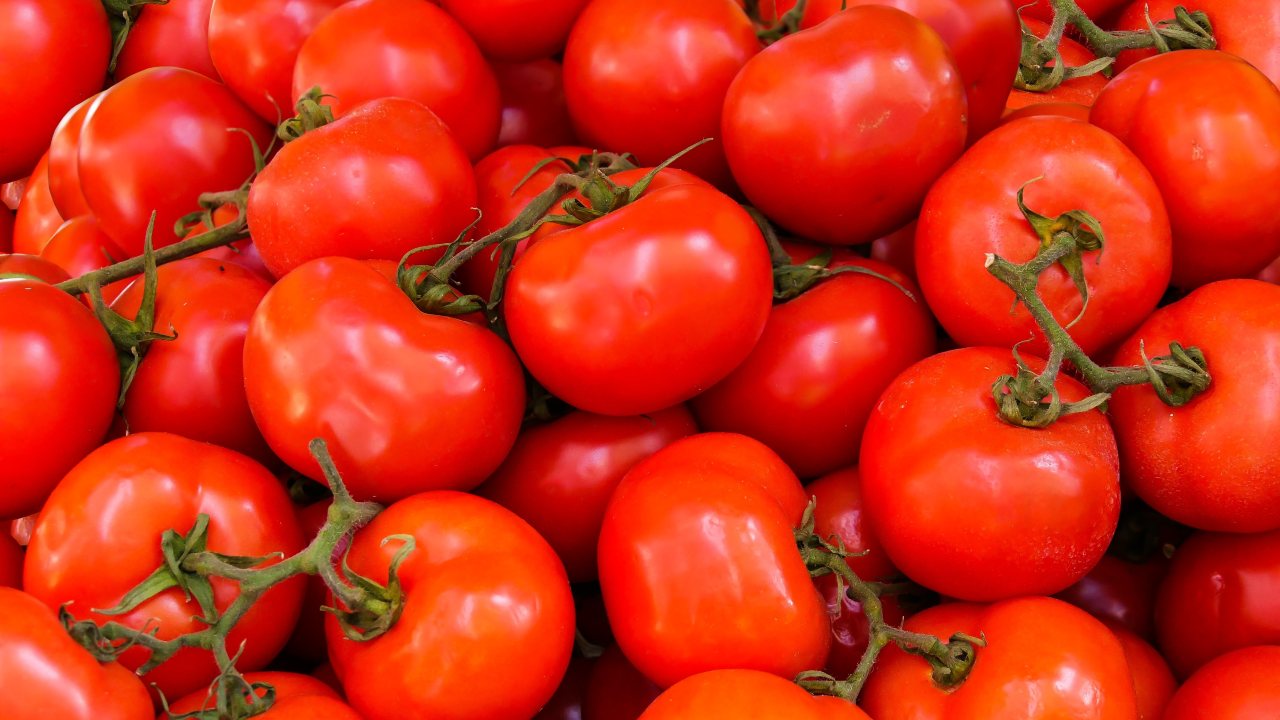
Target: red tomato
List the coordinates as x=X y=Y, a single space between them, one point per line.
x=1271 y=273
x=52 y=56
x=1038 y=507
x=810 y=383
x=566 y=703
x=58 y=366
x=409 y=185
x=298 y=697
x=1210 y=464
x=973 y=210
x=6 y=230
x=175 y=34
x=33 y=265
x=898 y=249
x=855 y=138
x=620 y=316
x=1153 y=681
x=559 y=476
x=37 y=218
x=1237 y=686
x=180 y=116
x=485 y=596
x=369 y=49
x=616 y=690
x=307 y=644
x=534 y=108
x=1071 y=110
x=1081 y=91
x=517 y=30
x=742 y=693
x=52 y=677
x=85 y=550
x=64 y=162
x=1250 y=30
x=1044 y=660
x=79 y=246
x=1097 y=10
x=407 y=402
x=620 y=97
x=242 y=252
x=10 y=561
x=1120 y=593
x=253 y=44
x=1206 y=149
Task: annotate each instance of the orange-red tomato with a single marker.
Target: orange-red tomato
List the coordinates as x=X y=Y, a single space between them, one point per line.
x=1237 y=686
x=739 y=694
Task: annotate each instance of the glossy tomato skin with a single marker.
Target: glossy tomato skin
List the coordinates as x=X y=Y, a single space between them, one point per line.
x=298 y=697
x=371 y=49
x=559 y=476
x=79 y=246
x=1044 y=660
x=84 y=551
x=58 y=366
x=1249 y=30
x=1120 y=593
x=399 y=181
x=619 y=97
x=485 y=597
x=1097 y=10
x=1176 y=459
x=33 y=265
x=1076 y=111
x=154 y=142
x=37 y=218
x=175 y=34
x=52 y=677
x=54 y=55
x=1081 y=90
x=406 y=401
x=517 y=30
x=616 y=690
x=1214 y=155
x=1037 y=507
x=1153 y=681
x=64 y=162
x=1240 y=685
x=534 y=108
x=741 y=694
x=613 y=316
x=973 y=210
x=11 y=554
x=807 y=388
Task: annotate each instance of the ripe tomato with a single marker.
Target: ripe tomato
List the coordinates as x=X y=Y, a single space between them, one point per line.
x=485 y=596
x=407 y=402
x=1037 y=507
x=1207 y=149
x=616 y=690
x=1250 y=30
x=559 y=476
x=898 y=249
x=79 y=246
x=32 y=265
x=177 y=115
x=6 y=230
x=37 y=217
x=369 y=49
x=1176 y=459
x=613 y=316
x=1081 y=91
x=973 y=210
x=1153 y=681
x=64 y=162
x=297 y=697
x=175 y=34
x=50 y=676
x=741 y=694
x=534 y=108
x=566 y=703
x=84 y=550
x=410 y=184
x=517 y=30
x=859 y=135
x=1044 y=660
x=307 y=644
x=1072 y=110
x=52 y=56
x=58 y=366
x=1240 y=685
x=1120 y=593
x=1097 y=10
x=11 y=554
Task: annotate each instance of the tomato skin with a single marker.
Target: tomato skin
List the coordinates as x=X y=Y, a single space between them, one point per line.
x=1081 y=91
x=1097 y=10
x=740 y=694
x=6 y=230
x=566 y=703
x=1249 y=30
x=559 y=476
x=898 y=249
x=298 y=697
x=336 y=351
x=1240 y=685
x=973 y=210
x=79 y=246
x=1153 y=681
x=534 y=108
x=1072 y=110
x=1120 y=593
x=37 y=217
x=82 y=550
x=1208 y=151
x=1039 y=506
x=69 y=43
x=168 y=113
x=64 y=162
x=11 y=554
x=485 y=597
x=1044 y=660
x=175 y=34
x=616 y=690
x=846 y=180
x=395 y=150
x=370 y=49
x=1174 y=459
x=33 y=265
x=60 y=367
x=517 y=30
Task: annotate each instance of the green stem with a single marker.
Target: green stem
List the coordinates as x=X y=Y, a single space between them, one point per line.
x=1110 y=44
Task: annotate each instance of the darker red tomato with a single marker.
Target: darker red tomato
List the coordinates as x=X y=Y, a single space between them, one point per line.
x=297 y=697
x=1247 y=29
x=1081 y=91
x=517 y=30
x=898 y=249
x=1071 y=110
x=735 y=694
x=175 y=34
x=64 y=162
x=80 y=246
x=307 y=644
x=534 y=108
x=33 y=266
x=566 y=703
x=1153 y=681
x=6 y=230
x=1120 y=592
x=616 y=690
x=37 y=217
x=1237 y=686
x=1271 y=273
x=1097 y=10
x=11 y=554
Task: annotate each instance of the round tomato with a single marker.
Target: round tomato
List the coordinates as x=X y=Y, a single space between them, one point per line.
x=297 y=697
x=1080 y=91
x=175 y=34
x=1240 y=685
x=37 y=218
x=79 y=246
x=517 y=30
x=616 y=690
x=534 y=108
x=1120 y=593
x=1097 y=10
x=1250 y=30
x=1153 y=681
x=34 y=266
x=737 y=694
x=64 y=162
x=1071 y=110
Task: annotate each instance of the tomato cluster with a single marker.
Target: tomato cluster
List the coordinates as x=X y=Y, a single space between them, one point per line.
x=640 y=359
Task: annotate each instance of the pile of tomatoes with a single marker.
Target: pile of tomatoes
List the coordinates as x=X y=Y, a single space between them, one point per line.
x=661 y=359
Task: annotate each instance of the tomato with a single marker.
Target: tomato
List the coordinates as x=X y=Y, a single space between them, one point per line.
x=369 y=49
x=33 y=265
x=1153 y=681
x=1071 y=110
x=64 y=162
x=242 y=252
x=37 y=217
x=566 y=703
x=898 y=249
x=858 y=136
x=170 y=113
x=298 y=697
x=1044 y=660
x=619 y=97
x=307 y=644
x=254 y=43
x=517 y=30
x=741 y=694
x=1250 y=30
x=50 y=676
x=1211 y=463
x=1214 y=155
x=398 y=152
x=616 y=690
x=810 y=383
x=1237 y=686
x=973 y=210
x=54 y=55
x=175 y=34
x=407 y=402
x=1097 y=10
x=1037 y=507
x=485 y=596
x=11 y=554
x=614 y=316
x=1080 y=91
x=6 y=230
x=1271 y=273
x=59 y=366
x=87 y=551
x=534 y=108
x=701 y=509
x=559 y=476
x=1120 y=592
x=79 y=246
